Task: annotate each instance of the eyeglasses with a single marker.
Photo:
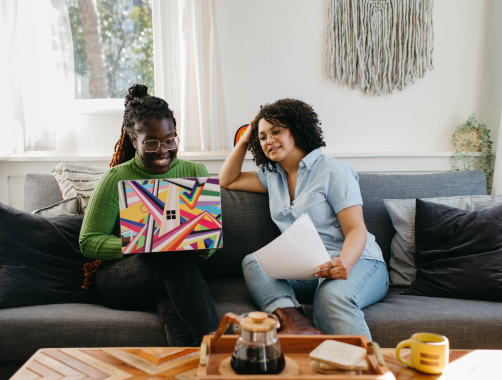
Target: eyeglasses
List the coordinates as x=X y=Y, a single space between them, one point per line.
x=275 y=133
x=152 y=146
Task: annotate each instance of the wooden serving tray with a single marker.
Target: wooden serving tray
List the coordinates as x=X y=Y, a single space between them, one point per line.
x=296 y=347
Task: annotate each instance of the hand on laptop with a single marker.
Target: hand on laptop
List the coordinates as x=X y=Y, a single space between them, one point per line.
x=200 y=255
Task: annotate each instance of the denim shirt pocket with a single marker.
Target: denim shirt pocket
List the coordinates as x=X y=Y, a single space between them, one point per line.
x=314 y=204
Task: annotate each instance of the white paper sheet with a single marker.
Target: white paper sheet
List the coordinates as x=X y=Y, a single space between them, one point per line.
x=295 y=254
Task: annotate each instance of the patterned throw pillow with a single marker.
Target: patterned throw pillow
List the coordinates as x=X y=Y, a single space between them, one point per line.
x=77 y=180
x=402 y=212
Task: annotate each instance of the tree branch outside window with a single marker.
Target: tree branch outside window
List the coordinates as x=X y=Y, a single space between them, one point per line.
x=124 y=44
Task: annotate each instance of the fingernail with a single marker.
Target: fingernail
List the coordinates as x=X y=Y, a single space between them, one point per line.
x=315 y=275
x=317 y=269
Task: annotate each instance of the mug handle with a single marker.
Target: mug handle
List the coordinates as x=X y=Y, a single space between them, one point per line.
x=401 y=345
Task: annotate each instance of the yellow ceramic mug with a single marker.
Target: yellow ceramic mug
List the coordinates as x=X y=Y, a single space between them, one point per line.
x=429 y=352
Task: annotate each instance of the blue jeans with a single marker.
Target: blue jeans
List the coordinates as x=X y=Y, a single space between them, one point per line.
x=337 y=303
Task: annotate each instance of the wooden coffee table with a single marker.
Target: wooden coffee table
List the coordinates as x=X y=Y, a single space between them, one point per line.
x=464 y=365
x=181 y=364
x=111 y=363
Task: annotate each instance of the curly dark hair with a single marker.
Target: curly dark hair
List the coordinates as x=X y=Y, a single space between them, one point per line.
x=295 y=115
x=139 y=106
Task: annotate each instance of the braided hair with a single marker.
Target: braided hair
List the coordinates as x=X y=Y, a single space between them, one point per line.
x=139 y=107
x=295 y=115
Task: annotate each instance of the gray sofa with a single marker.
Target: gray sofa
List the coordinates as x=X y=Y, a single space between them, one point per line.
x=247 y=227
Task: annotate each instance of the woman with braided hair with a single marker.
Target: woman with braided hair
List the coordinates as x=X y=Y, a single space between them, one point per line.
x=170 y=282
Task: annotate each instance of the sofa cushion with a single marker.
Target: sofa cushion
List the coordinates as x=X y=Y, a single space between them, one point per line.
x=231 y=294
x=459 y=253
x=468 y=324
x=402 y=212
x=376 y=187
x=24 y=330
x=242 y=213
x=40 y=260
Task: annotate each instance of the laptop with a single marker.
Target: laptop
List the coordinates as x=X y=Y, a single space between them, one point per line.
x=174 y=214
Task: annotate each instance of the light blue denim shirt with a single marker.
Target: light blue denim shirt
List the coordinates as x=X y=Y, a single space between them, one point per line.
x=324 y=187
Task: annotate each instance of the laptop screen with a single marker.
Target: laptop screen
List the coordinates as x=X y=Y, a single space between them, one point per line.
x=172 y=214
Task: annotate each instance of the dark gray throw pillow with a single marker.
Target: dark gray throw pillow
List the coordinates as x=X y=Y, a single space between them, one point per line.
x=40 y=260
x=458 y=253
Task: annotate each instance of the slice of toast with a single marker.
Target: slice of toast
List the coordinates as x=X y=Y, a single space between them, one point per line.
x=315 y=366
x=360 y=366
x=342 y=355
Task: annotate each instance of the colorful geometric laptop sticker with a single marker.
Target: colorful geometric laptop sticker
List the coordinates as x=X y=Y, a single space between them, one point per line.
x=174 y=214
x=239 y=133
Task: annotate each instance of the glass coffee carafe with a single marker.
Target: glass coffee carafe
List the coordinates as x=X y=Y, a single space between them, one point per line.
x=257 y=351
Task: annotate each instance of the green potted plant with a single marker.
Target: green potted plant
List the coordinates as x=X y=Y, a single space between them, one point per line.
x=473 y=148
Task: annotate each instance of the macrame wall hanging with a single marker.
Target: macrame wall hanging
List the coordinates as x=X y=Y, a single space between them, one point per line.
x=379 y=44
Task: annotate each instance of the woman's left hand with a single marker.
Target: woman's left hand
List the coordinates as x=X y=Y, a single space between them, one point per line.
x=200 y=255
x=334 y=269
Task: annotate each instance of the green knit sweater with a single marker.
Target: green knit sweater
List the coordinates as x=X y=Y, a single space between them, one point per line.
x=100 y=233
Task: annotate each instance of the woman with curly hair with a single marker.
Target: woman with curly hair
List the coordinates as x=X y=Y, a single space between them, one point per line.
x=285 y=139
x=170 y=282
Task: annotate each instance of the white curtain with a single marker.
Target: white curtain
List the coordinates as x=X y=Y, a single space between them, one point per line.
x=36 y=73
x=189 y=72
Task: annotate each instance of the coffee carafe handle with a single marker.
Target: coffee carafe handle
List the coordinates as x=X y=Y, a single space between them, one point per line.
x=225 y=321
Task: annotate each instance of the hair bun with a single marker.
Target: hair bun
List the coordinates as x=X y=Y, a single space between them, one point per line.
x=138 y=91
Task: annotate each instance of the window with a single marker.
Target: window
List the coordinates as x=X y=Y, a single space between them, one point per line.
x=170 y=214
x=113 y=46
x=75 y=59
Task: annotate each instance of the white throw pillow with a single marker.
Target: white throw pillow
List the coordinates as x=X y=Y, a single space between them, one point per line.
x=77 y=180
x=402 y=212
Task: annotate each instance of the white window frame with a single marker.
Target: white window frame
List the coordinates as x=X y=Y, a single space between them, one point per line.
x=116 y=105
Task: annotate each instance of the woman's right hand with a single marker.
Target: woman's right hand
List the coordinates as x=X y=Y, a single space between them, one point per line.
x=246 y=137
x=231 y=175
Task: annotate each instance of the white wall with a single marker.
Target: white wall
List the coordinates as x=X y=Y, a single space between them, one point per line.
x=274 y=49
